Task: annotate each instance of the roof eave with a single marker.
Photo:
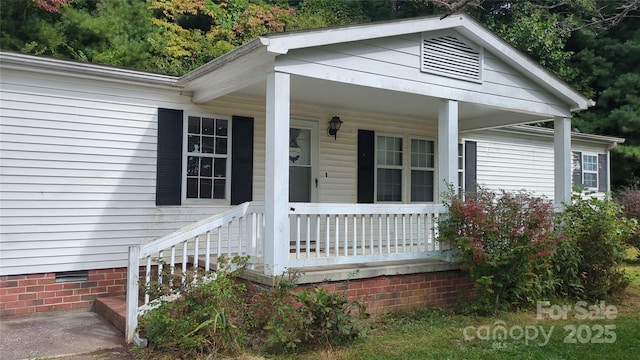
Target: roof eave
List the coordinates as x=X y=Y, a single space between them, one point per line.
x=19 y=61
x=243 y=50
x=281 y=43
x=542 y=131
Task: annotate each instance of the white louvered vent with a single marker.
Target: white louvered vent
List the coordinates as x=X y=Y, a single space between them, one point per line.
x=448 y=56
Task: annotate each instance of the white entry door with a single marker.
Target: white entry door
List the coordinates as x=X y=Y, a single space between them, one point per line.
x=303 y=180
x=303 y=159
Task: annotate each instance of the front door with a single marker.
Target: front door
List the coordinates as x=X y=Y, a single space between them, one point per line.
x=303 y=179
x=303 y=152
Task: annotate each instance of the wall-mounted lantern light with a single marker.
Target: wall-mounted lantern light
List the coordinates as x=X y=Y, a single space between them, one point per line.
x=334 y=126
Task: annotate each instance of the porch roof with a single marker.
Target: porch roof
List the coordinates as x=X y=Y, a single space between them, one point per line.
x=243 y=71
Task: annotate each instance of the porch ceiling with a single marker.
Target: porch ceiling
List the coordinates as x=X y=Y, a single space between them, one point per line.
x=353 y=98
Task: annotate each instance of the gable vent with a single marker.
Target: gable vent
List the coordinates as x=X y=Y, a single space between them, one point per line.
x=448 y=56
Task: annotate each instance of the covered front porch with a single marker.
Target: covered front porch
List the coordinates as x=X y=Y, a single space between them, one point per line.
x=373 y=200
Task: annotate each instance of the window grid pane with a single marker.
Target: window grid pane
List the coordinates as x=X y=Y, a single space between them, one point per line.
x=389 y=185
x=590 y=163
x=389 y=151
x=421 y=185
x=389 y=169
x=591 y=180
x=590 y=171
x=422 y=165
x=207 y=148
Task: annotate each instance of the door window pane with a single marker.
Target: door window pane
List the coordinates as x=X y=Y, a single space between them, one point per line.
x=299 y=165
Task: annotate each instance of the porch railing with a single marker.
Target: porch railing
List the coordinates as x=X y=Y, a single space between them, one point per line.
x=331 y=234
x=321 y=234
x=237 y=231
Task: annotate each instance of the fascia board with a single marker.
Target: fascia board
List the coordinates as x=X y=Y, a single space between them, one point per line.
x=253 y=48
x=47 y=65
x=281 y=43
x=481 y=36
x=547 y=132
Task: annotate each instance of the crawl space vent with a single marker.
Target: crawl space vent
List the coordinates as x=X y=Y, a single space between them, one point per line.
x=72 y=276
x=449 y=56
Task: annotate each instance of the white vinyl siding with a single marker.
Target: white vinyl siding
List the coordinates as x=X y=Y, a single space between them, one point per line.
x=78 y=172
x=514 y=163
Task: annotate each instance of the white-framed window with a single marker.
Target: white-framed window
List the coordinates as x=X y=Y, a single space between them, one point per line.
x=405 y=169
x=590 y=171
x=389 y=168
x=206 y=158
x=422 y=169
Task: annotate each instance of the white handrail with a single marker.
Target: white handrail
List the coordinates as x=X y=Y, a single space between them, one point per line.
x=364 y=209
x=201 y=227
x=195 y=231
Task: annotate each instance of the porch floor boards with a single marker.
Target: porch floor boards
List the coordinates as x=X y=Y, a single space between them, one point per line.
x=341 y=272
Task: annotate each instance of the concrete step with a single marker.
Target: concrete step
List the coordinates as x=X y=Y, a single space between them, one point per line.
x=114 y=309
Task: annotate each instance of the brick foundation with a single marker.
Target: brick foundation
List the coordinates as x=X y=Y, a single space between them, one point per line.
x=28 y=294
x=405 y=292
x=33 y=293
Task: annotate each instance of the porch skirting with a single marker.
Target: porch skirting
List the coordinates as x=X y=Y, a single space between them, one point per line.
x=395 y=287
x=405 y=292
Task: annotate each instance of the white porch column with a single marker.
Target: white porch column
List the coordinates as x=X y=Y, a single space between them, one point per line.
x=276 y=206
x=448 y=145
x=562 y=162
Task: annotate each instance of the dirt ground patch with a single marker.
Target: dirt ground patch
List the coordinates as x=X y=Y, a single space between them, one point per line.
x=109 y=354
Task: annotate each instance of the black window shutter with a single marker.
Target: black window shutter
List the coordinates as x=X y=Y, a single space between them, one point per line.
x=603 y=184
x=241 y=160
x=169 y=157
x=470 y=166
x=366 y=165
x=576 y=165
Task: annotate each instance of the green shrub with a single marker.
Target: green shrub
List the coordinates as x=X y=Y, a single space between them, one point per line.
x=629 y=200
x=566 y=269
x=215 y=316
x=290 y=320
x=327 y=317
x=276 y=319
x=207 y=318
x=596 y=232
x=504 y=242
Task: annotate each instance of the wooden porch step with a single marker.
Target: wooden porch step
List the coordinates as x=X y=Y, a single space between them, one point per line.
x=114 y=310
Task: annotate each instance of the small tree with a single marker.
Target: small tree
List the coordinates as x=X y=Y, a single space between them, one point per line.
x=504 y=241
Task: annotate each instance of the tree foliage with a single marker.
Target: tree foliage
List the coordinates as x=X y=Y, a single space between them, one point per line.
x=594 y=45
x=610 y=64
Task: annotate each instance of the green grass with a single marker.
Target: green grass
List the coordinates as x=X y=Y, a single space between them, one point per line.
x=439 y=334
